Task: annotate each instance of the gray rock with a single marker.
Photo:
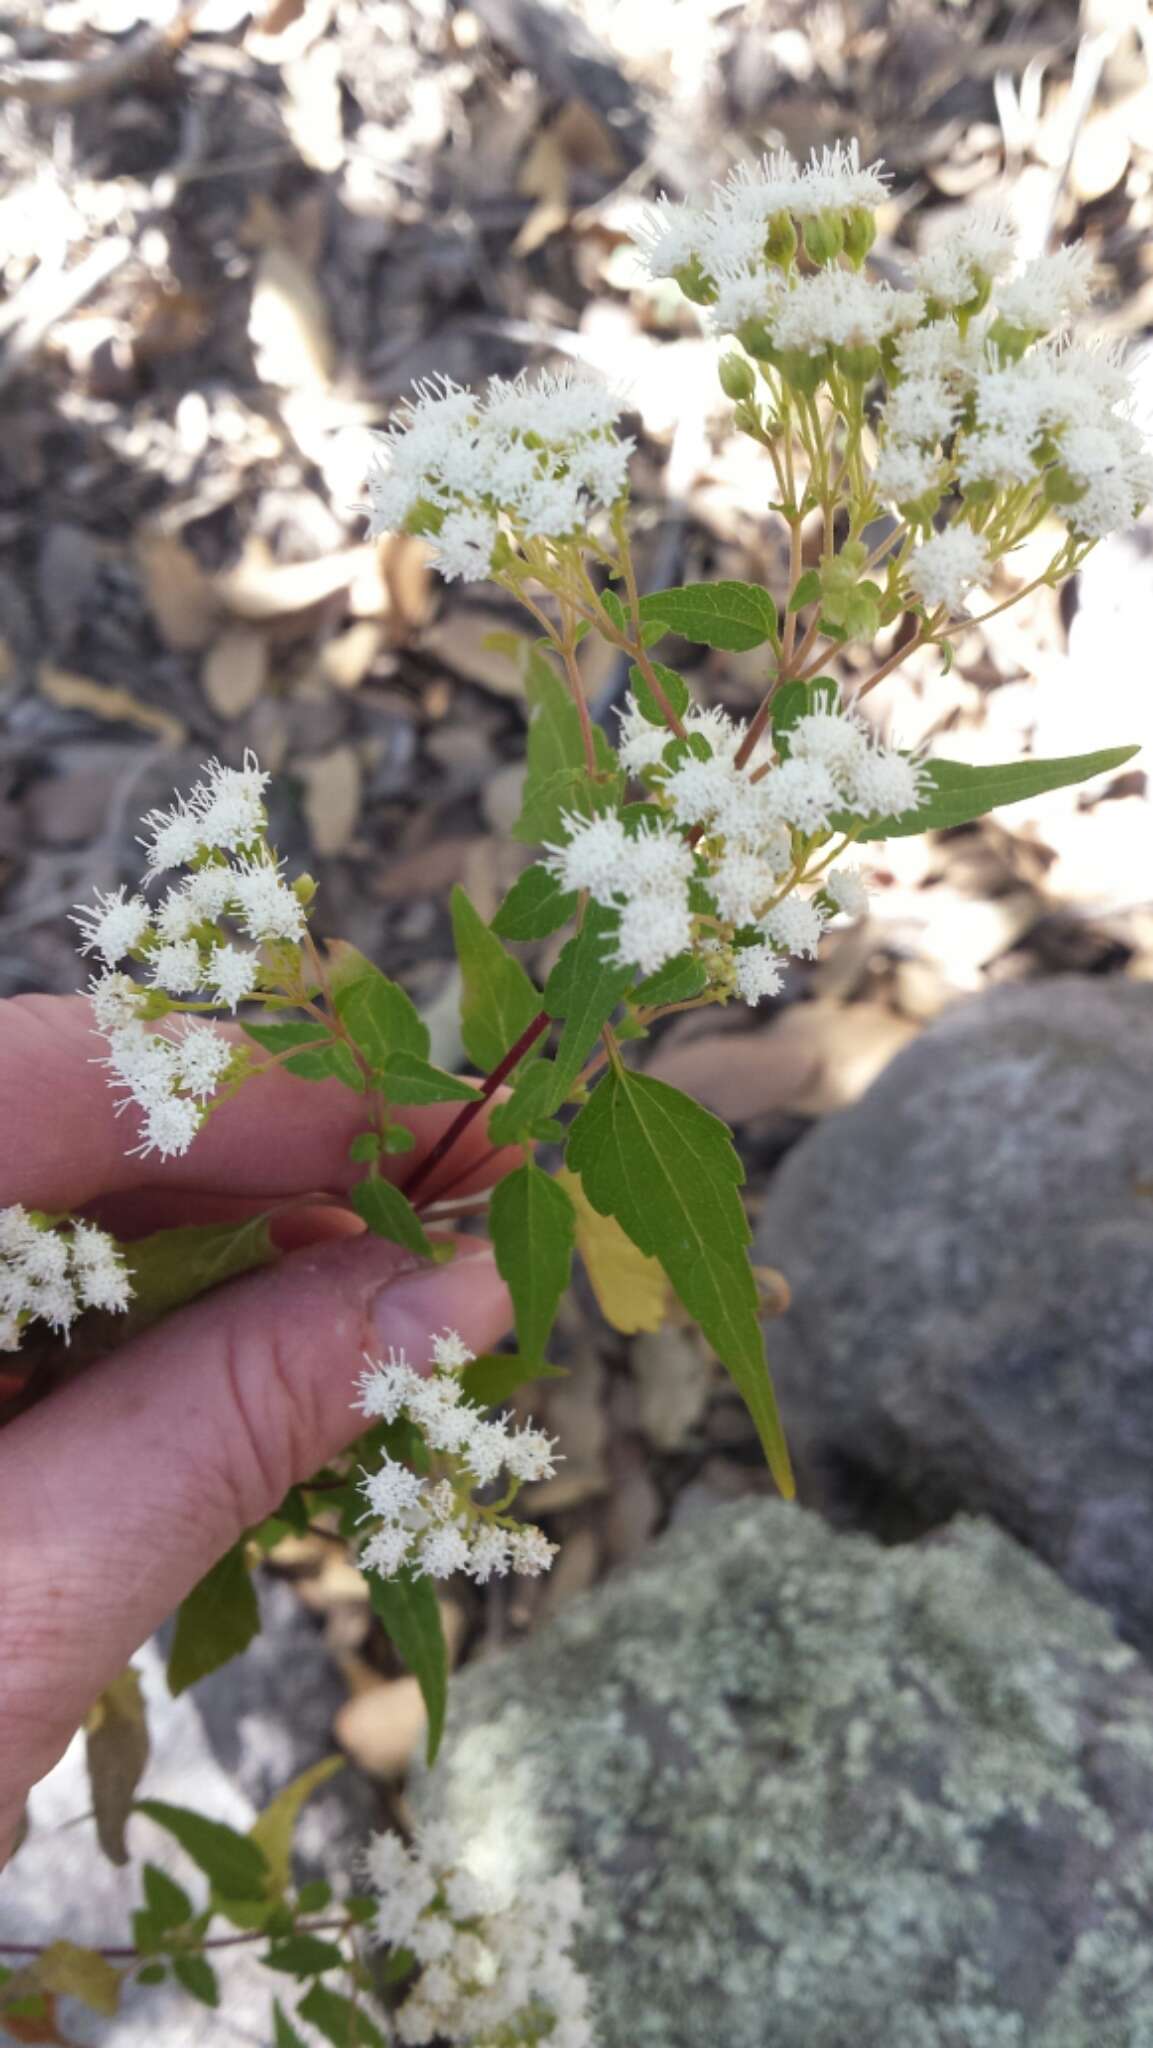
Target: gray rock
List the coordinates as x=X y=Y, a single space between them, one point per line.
x=827 y=1795
x=970 y=1252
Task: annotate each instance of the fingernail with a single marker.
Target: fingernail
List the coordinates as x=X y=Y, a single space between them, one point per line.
x=467 y=1295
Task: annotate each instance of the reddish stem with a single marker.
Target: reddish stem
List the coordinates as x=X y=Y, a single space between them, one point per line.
x=469 y=1110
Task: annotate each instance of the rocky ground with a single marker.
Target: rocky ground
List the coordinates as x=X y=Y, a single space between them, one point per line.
x=229 y=241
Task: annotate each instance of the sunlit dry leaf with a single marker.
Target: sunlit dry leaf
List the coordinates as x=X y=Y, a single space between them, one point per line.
x=348 y=656
x=116 y=1734
x=472 y=643
x=180 y=595
x=405 y=560
x=288 y=324
x=631 y=1290
x=234 y=671
x=81 y=1973
x=312 y=112
x=332 y=786
x=106 y=700
x=258 y=588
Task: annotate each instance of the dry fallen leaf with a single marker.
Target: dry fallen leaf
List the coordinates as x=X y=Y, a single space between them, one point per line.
x=332 y=785
x=258 y=588
x=405 y=560
x=116 y=1732
x=472 y=643
x=180 y=596
x=382 y=1729
x=234 y=671
x=288 y=324
x=106 y=700
x=742 y=1074
x=346 y=659
x=631 y=1290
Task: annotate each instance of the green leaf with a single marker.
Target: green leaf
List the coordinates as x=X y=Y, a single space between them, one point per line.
x=378 y=1014
x=340 y=2021
x=390 y=1214
x=806 y=591
x=116 y=1737
x=492 y=1377
x=365 y=1146
x=408 y=1608
x=323 y=1061
x=155 y=1973
x=233 y=1864
x=733 y=616
x=303 y=1955
x=674 y=686
x=314 y=1896
x=535 y=906
x=532 y=1225
x=957 y=793
x=678 y=981
x=198 y=1977
x=273 y=1830
x=557 y=772
x=584 y=988
x=168 y=1904
x=285 y=2034
x=408 y=1078
x=499 y=1001
x=82 y=1973
x=530 y=1105
x=214 y=1622
x=174 y=1266
x=666 y=1169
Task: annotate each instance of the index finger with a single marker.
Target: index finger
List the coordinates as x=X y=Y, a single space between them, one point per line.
x=64 y=1144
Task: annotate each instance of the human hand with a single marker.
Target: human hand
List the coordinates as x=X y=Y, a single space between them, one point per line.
x=118 y=1492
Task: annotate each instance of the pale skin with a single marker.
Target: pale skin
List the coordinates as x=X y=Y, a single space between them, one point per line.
x=118 y=1492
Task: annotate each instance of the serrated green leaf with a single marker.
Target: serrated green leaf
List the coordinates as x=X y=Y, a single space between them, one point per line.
x=376 y=1011
x=584 y=989
x=535 y=906
x=315 y=1895
x=958 y=793
x=548 y=802
x=154 y=1973
x=303 y=1955
x=198 y=1977
x=666 y=1169
x=674 y=686
x=729 y=615
x=174 y=1266
x=532 y=1224
x=409 y=1079
x=215 y=1622
x=234 y=1865
x=365 y=1146
x=273 y=1830
x=554 y=752
x=320 y=1061
x=340 y=2021
x=806 y=590
x=678 y=981
x=498 y=1001
x=284 y=2033
x=495 y=1375
x=532 y=1101
x=168 y=1903
x=407 y=1606
x=389 y=1213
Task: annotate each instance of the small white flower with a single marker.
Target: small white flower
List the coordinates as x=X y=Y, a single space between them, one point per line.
x=529 y=1455
x=655 y=862
x=99 y=1273
x=887 y=784
x=491 y=1554
x=531 y=1551
x=843 y=309
x=169 y=1128
x=450 y=1352
x=484 y=1453
x=1048 y=290
x=202 y=1058
x=268 y=908
x=442 y=1552
x=796 y=925
x=966 y=254
x=176 y=968
x=741 y=883
x=115 y=1000
x=835 y=182
x=803 y=793
x=698 y=790
x=757 y=972
x=904 y=471
x=391 y=1490
x=592 y=858
x=944 y=568
x=114 y=926
x=847 y=889
x=920 y=409
x=231 y=974
x=835 y=739
x=653 y=929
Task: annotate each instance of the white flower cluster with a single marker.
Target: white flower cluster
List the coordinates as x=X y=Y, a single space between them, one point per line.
x=51 y=1273
x=187 y=947
x=433 y=1525
x=736 y=834
x=494 y=1969
x=534 y=459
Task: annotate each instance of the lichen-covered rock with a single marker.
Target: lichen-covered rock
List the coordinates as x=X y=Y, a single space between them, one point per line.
x=970 y=1253
x=827 y=1795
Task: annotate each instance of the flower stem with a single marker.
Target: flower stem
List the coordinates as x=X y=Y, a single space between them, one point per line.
x=469 y=1110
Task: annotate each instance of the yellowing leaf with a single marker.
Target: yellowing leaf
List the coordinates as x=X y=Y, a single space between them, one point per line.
x=117 y=1744
x=631 y=1290
x=80 y=1973
x=273 y=1831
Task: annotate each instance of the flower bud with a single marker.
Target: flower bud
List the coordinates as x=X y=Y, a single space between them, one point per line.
x=860 y=234
x=746 y=419
x=1012 y=342
x=696 y=283
x=824 y=237
x=858 y=364
x=1060 y=488
x=755 y=337
x=803 y=372
x=304 y=889
x=781 y=241
x=737 y=377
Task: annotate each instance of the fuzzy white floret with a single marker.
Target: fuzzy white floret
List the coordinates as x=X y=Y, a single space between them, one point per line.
x=835 y=181
x=904 y=471
x=531 y=1551
x=450 y=1352
x=530 y=1455
x=202 y=1058
x=795 y=925
x=740 y=883
x=803 y=794
x=945 y=567
x=490 y=1556
x=1048 y=290
x=757 y=973
x=652 y=930
x=847 y=888
x=887 y=784
x=267 y=907
x=921 y=409
x=176 y=968
x=698 y=790
x=592 y=858
x=442 y=1552
x=391 y=1489
x=980 y=246
x=231 y=974
x=115 y=1000
x=464 y=545
x=835 y=739
x=640 y=744
x=114 y=926
x=485 y=1450
x=841 y=309
x=169 y=1128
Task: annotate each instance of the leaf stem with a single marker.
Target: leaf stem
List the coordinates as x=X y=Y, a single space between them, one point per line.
x=469 y=1110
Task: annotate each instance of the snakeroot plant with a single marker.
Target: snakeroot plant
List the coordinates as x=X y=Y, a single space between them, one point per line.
x=914 y=435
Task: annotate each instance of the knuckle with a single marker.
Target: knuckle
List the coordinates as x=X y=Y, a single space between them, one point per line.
x=273 y=1416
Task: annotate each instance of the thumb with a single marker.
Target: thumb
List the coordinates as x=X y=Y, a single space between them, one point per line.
x=119 y=1493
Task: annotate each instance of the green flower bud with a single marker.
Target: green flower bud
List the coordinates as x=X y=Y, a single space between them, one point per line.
x=1012 y=342
x=746 y=419
x=824 y=237
x=755 y=337
x=696 y=283
x=304 y=889
x=425 y=517
x=853 y=555
x=860 y=234
x=1060 y=488
x=781 y=241
x=737 y=377
x=803 y=372
x=859 y=365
